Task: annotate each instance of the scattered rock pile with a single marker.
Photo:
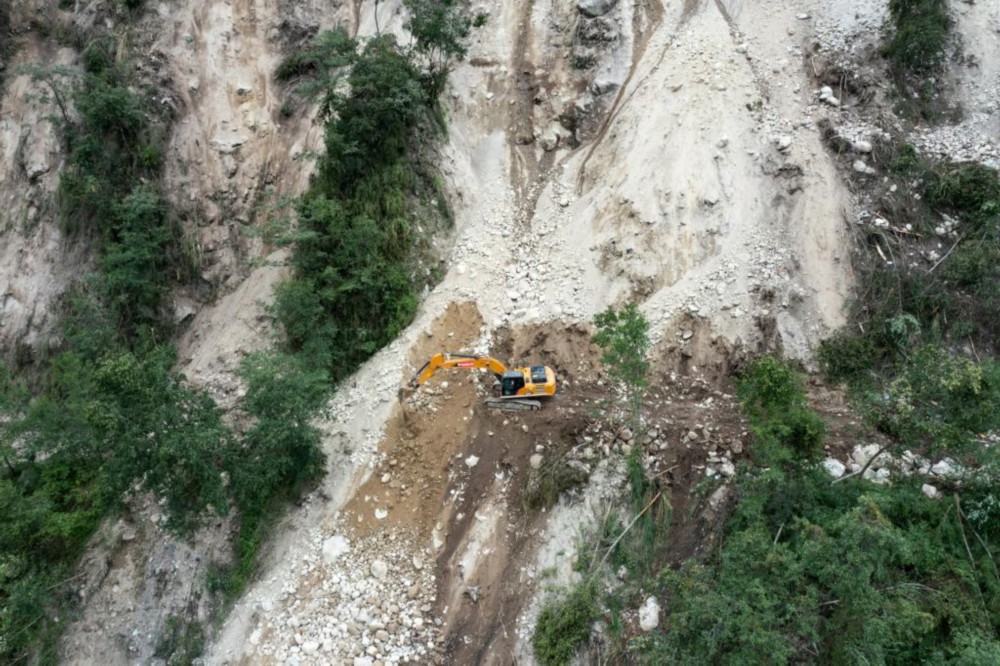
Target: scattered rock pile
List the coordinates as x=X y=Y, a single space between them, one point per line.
x=884 y=465
x=375 y=608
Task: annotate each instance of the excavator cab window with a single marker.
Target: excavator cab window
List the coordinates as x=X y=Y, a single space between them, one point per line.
x=538 y=374
x=511 y=383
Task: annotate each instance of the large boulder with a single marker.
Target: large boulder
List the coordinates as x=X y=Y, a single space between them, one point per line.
x=649 y=615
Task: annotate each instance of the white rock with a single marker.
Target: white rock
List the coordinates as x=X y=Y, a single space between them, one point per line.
x=513 y=295
x=834 y=467
x=861 y=167
x=472 y=461
x=784 y=143
x=649 y=615
x=863 y=453
x=379 y=569
x=603 y=85
x=863 y=146
x=929 y=490
x=381 y=514
x=943 y=468
x=535 y=461
x=727 y=468
x=309 y=647
x=334 y=547
x=881 y=476
x=825 y=91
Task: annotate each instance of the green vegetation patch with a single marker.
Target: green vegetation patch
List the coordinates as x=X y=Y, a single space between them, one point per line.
x=952 y=301
x=563 y=625
x=811 y=571
x=356 y=251
x=920 y=31
x=918 y=34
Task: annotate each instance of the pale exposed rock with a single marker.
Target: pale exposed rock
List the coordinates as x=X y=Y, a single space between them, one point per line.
x=834 y=467
x=945 y=467
x=649 y=614
x=334 y=547
x=379 y=569
x=929 y=490
x=535 y=461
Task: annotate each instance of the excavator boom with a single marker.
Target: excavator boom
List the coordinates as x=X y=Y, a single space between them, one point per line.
x=445 y=360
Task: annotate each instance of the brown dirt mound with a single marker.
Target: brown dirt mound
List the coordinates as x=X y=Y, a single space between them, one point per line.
x=411 y=476
x=566 y=348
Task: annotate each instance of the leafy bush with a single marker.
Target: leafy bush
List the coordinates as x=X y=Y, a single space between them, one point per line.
x=773 y=397
x=114 y=159
x=181 y=643
x=624 y=337
x=278 y=455
x=563 y=625
x=547 y=483
x=439 y=29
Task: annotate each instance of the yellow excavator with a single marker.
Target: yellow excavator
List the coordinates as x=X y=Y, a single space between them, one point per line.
x=517 y=385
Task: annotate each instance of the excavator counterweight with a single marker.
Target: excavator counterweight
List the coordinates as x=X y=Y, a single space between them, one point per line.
x=517 y=385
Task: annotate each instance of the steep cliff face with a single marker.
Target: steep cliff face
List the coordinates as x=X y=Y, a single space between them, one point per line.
x=596 y=152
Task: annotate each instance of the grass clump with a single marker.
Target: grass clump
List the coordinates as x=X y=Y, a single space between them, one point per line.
x=563 y=625
x=785 y=430
x=941 y=287
x=920 y=31
x=275 y=459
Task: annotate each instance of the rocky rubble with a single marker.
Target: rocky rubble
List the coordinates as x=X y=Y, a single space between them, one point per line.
x=885 y=465
x=366 y=603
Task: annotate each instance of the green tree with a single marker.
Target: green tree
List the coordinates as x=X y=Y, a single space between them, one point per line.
x=439 y=29
x=624 y=337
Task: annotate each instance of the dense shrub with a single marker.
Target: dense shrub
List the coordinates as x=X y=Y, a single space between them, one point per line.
x=920 y=30
x=563 y=625
x=843 y=574
x=785 y=429
x=354 y=288
x=108 y=190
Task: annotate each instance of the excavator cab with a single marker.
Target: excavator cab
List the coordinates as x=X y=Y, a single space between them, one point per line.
x=511 y=382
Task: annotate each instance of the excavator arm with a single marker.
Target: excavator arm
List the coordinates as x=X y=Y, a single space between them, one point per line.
x=439 y=361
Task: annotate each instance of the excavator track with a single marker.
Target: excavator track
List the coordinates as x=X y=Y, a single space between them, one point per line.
x=509 y=405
